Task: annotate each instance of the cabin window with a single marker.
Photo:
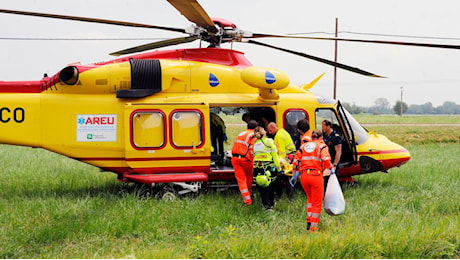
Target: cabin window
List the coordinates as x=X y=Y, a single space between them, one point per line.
x=148 y=129
x=291 y=117
x=187 y=129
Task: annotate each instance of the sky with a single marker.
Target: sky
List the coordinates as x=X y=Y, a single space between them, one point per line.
x=419 y=74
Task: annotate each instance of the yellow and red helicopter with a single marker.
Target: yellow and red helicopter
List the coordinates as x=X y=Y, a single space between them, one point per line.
x=146 y=117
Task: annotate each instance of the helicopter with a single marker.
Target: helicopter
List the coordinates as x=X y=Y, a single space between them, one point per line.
x=145 y=116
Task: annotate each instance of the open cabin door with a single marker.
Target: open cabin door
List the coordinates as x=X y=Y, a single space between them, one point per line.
x=167 y=138
x=348 y=138
x=342 y=126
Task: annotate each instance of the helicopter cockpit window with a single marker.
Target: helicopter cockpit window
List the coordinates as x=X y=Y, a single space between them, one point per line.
x=187 y=129
x=148 y=129
x=329 y=114
x=361 y=134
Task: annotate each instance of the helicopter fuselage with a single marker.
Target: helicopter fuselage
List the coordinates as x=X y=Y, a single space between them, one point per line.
x=146 y=117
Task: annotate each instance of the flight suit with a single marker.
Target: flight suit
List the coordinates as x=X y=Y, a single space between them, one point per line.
x=242 y=163
x=311 y=160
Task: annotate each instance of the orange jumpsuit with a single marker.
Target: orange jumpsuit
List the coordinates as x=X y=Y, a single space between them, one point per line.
x=311 y=160
x=242 y=161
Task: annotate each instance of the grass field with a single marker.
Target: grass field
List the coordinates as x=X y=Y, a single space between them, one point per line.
x=55 y=207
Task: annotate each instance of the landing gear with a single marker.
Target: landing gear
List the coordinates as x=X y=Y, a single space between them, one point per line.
x=170 y=191
x=167 y=193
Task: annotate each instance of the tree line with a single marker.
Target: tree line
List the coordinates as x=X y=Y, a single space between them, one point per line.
x=383 y=106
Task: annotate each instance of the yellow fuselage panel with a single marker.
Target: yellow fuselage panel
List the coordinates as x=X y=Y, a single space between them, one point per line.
x=380 y=147
x=20 y=119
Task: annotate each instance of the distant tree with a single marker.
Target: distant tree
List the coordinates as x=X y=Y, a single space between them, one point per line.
x=353 y=109
x=397 y=108
x=448 y=107
x=382 y=103
x=426 y=108
x=381 y=106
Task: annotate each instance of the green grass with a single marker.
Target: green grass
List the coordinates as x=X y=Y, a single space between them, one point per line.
x=55 y=207
x=407 y=119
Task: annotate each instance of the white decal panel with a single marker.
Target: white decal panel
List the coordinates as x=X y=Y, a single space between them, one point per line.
x=96 y=128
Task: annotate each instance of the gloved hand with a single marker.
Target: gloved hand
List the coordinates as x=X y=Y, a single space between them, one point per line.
x=293 y=179
x=333 y=171
x=225 y=138
x=281 y=172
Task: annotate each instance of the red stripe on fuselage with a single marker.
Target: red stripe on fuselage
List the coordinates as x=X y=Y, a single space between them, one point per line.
x=383 y=152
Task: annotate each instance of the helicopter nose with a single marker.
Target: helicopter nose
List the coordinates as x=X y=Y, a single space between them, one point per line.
x=394 y=156
x=381 y=154
x=401 y=157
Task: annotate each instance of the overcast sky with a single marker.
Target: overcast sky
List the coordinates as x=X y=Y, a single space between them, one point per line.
x=425 y=74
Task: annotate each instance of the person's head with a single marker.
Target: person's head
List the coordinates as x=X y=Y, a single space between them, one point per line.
x=264 y=120
x=316 y=134
x=252 y=124
x=303 y=126
x=272 y=128
x=259 y=132
x=326 y=125
x=246 y=117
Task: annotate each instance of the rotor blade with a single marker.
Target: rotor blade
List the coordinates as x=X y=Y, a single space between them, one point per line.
x=92 y=20
x=430 y=45
x=155 y=45
x=193 y=11
x=332 y=63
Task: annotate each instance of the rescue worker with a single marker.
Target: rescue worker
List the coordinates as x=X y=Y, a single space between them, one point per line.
x=218 y=136
x=313 y=162
x=266 y=167
x=286 y=150
x=304 y=129
x=242 y=161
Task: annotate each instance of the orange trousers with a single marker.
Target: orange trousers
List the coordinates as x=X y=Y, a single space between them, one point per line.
x=243 y=174
x=313 y=185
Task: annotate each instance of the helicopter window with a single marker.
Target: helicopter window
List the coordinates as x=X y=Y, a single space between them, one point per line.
x=291 y=117
x=361 y=134
x=329 y=114
x=187 y=129
x=148 y=129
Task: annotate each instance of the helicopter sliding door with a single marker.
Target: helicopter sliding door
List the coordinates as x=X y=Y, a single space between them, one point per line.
x=167 y=138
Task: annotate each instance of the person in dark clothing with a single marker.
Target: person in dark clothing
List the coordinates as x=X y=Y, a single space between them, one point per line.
x=334 y=142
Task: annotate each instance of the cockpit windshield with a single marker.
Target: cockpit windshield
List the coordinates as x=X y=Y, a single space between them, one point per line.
x=361 y=134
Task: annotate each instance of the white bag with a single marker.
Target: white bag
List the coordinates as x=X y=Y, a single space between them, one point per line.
x=334 y=203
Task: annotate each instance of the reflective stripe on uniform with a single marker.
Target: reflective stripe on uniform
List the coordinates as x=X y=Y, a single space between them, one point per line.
x=313 y=158
x=315 y=215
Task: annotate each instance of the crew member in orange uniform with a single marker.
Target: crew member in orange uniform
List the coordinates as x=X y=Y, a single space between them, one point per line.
x=313 y=162
x=242 y=161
